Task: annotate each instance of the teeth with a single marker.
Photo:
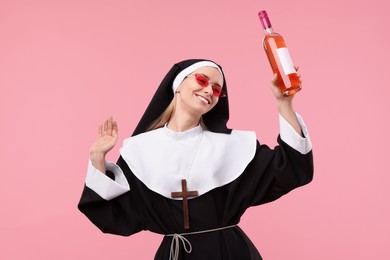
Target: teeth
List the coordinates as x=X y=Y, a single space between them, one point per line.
x=203 y=99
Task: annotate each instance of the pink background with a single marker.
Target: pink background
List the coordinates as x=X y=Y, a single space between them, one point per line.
x=67 y=65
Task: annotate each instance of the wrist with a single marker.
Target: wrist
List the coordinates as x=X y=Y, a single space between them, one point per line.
x=284 y=105
x=96 y=155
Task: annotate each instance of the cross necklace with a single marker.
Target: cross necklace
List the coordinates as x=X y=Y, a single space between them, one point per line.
x=187 y=194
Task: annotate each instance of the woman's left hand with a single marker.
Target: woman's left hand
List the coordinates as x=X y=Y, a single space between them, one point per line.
x=275 y=89
x=284 y=104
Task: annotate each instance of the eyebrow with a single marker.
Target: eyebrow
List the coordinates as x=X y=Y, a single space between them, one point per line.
x=205 y=76
x=210 y=80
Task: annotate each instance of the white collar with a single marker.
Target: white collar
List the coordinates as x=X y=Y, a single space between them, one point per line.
x=161 y=158
x=183 y=135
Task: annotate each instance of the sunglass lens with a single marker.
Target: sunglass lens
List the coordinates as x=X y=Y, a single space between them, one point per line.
x=217 y=90
x=202 y=80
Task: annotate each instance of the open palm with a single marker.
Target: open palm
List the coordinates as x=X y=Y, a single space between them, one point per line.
x=107 y=137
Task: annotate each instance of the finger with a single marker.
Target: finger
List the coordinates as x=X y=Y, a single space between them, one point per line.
x=100 y=131
x=274 y=80
x=275 y=77
x=115 y=128
x=109 y=125
x=106 y=127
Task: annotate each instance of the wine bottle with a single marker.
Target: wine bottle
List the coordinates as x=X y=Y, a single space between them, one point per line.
x=279 y=58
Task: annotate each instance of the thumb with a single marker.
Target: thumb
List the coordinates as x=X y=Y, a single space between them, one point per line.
x=274 y=80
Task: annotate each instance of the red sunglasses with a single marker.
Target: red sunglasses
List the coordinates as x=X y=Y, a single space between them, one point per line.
x=203 y=81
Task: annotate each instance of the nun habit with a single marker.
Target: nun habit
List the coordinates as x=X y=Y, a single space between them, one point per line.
x=226 y=170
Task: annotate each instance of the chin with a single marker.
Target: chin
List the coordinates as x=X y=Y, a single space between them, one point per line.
x=200 y=109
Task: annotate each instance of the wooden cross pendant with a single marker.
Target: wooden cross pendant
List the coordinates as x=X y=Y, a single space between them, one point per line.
x=185 y=195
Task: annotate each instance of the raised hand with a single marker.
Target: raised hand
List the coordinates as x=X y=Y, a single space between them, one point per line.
x=107 y=137
x=275 y=89
x=284 y=104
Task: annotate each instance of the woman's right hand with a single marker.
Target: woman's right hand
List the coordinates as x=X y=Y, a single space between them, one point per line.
x=107 y=137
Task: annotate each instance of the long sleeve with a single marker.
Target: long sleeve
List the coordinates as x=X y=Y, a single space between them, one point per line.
x=108 y=203
x=292 y=138
x=275 y=172
x=103 y=185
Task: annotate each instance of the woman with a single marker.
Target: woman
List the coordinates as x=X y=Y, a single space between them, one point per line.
x=185 y=175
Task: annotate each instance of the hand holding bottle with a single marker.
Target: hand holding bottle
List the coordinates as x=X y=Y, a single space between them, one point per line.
x=276 y=89
x=285 y=104
x=107 y=137
x=279 y=58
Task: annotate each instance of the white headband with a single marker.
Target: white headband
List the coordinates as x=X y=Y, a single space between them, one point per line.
x=187 y=71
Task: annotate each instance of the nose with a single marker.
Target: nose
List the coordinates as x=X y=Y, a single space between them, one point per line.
x=208 y=90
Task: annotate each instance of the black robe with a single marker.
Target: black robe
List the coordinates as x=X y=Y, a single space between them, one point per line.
x=271 y=174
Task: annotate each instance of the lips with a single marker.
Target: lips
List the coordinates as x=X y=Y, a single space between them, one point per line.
x=203 y=99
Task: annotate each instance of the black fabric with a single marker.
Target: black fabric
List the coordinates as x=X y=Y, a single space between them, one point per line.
x=215 y=120
x=271 y=174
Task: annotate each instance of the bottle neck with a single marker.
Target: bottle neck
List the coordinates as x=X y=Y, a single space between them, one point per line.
x=265 y=22
x=268 y=30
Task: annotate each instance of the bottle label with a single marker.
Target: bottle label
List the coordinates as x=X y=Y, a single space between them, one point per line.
x=285 y=60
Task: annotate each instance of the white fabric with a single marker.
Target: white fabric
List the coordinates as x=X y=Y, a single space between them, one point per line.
x=162 y=158
x=109 y=189
x=187 y=71
x=292 y=138
x=104 y=186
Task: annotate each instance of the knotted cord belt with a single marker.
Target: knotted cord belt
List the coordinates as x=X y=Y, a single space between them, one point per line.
x=177 y=238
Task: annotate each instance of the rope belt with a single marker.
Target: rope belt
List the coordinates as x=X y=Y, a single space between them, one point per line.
x=177 y=238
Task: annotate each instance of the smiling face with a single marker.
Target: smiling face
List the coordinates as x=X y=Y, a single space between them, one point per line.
x=195 y=99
